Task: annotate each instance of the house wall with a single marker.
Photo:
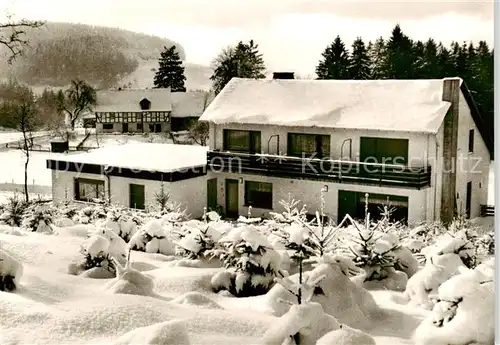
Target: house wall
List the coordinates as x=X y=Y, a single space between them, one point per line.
x=191 y=193
x=132 y=127
x=417 y=145
x=473 y=167
x=308 y=192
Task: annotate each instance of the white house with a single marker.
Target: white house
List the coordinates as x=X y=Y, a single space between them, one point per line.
x=420 y=144
x=132 y=174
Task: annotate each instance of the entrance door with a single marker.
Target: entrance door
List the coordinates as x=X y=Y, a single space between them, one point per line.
x=137 y=199
x=468 y=199
x=125 y=128
x=212 y=194
x=232 y=203
x=158 y=127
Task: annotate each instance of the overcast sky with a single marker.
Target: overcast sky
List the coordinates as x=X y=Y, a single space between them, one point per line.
x=291 y=33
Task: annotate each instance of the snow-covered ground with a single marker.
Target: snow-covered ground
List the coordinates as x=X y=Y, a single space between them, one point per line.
x=53 y=307
x=9 y=136
x=162 y=299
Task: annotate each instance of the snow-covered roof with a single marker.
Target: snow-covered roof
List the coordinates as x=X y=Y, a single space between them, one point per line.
x=392 y=105
x=144 y=156
x=191 y=103
x=127 y=100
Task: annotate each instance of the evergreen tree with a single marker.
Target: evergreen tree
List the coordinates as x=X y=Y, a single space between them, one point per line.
x=400 y=56
x=431 y=68
x=420 y=63
x=359 y=64
x=170 y=72
x=445 y=62
x=377 y=54
x=242 y=61
x=459 y=58
x=335 y=62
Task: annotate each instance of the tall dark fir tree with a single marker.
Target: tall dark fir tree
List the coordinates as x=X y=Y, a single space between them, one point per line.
x=400 y=60
x=335 y=61
x=171 y=71
x=359 y=63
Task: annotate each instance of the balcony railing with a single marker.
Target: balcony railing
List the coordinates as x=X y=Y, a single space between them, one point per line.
x=320 y=169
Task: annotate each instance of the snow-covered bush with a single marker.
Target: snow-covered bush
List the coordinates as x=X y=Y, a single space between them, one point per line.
x=458 y=243
x=67 y=210
x=99 y=250
x=38 y=218
x=91 y=213
x=122 y=221
x=334 y=290
x=195 y=240
x=250 y=261
x=291 y=213
x=426 y=281
x=464 y=312
x=11 y=271
x=303 y=324
x=375 y=251
x=11 y=213
x=130 y=281
x=309 y=241
x=152 y=238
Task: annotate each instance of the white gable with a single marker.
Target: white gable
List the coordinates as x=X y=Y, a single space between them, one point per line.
x=391 y=105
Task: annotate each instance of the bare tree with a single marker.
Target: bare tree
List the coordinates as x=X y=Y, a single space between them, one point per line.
x=24 y=114
x=198 y=131
x=78 y=98
x=13 y=35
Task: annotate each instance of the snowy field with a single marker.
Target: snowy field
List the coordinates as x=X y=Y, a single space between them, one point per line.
x=167 y=291
x=12 y=163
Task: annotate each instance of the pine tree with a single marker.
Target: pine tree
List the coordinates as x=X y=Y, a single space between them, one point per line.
x=420 y=62
x=241 y=61
x=170 y=72
x=445 y=62
x=335 y=62
x=359 y=64
x=459 y=58
x=377 y=54
x=400 y=55
x=431 y=68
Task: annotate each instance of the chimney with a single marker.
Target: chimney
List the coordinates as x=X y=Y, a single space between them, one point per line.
x=451 y=93
x=283 y=75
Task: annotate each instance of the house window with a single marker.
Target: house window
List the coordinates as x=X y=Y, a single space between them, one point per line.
x=259 y=194
x=145 y=104
x=383 y=150
x=89 y=190
x=310 y=145
x=471 y=140
x=107 y=126
x=242 y=141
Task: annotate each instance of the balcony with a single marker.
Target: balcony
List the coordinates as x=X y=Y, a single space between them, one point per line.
x=320 y=169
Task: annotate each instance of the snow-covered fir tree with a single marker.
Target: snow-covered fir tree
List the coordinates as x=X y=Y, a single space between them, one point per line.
x=171 y=71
